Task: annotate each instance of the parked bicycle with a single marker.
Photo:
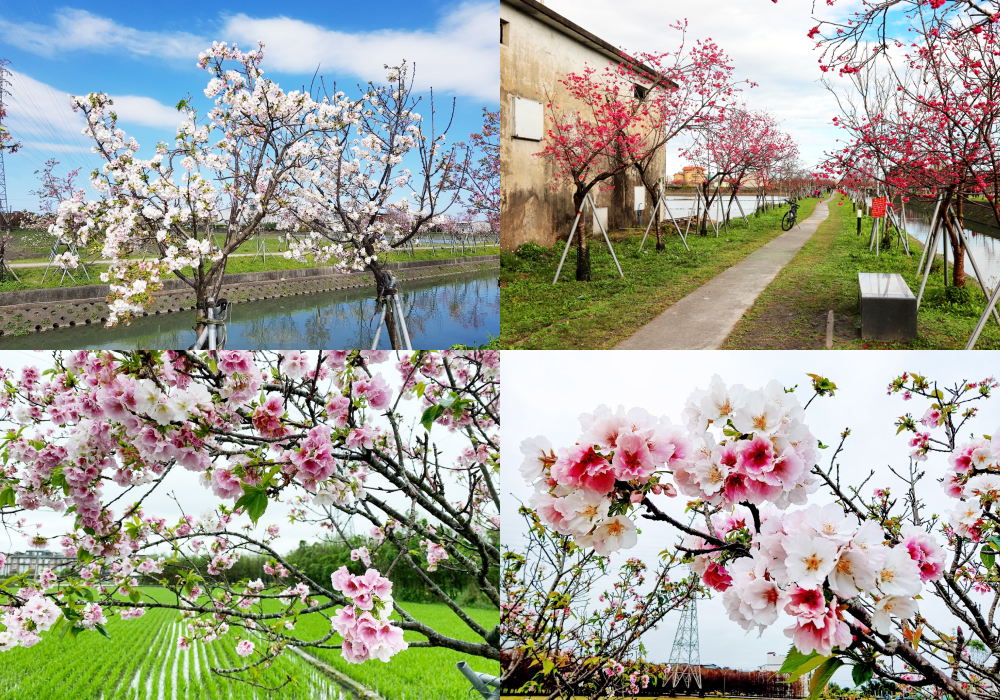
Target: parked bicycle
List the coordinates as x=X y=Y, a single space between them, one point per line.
x=788 y=220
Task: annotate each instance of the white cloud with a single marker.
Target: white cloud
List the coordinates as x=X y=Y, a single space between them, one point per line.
x=82 y=30
x=145 y=111
x=36 y=109
x=459 y=56
x=766 y=41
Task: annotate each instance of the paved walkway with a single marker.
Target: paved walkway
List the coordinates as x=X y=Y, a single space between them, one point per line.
x=704 y=318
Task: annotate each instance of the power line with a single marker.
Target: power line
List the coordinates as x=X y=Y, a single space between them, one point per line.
x=51 y=129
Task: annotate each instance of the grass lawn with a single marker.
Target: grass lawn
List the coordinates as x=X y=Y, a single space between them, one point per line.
x=31 y=278
x=419 y=673
x=34 y=246
x=601 y=313
x=792 y=311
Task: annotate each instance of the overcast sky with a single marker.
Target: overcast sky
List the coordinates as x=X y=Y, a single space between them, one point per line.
x=546 y=391
x=144 y=54
x=766 y=41
x=196 y=498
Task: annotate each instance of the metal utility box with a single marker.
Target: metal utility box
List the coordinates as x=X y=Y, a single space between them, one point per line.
x=529 y=121
x=888 y=307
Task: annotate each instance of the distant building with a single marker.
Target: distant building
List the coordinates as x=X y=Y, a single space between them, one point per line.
x=774 y=662
x=538 y=47
x=690 y=175
x=33 y=560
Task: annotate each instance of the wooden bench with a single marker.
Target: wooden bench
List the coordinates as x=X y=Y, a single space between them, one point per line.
x=888 y=307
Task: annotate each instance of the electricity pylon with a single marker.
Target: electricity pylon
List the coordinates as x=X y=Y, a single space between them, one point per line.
x=685 y=656
x=3 y=182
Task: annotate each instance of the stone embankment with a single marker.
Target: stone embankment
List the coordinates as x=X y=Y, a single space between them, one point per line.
x=39 y=310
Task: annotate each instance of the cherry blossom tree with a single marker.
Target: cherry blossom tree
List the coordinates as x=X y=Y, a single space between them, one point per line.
x=324 y=432
x=739 y=143
x=330 y=165
x=853 y=574
x=550 y=621
x=927 y=125
x=349 y=195
x=54 y=189
x=622 y=116
x=867 y=34
x=483 y=175
x=702 y=82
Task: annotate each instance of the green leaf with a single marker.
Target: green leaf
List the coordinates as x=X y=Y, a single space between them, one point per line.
x=862 y=674
x=253 y=501
x=181 y=105
x=431 y=414
x=988 y=557
x=822 y=676
x=7 y=497
x=796 y=663
x=104 y=632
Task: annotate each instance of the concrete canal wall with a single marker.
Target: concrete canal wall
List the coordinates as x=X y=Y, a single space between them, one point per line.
x=40 y=310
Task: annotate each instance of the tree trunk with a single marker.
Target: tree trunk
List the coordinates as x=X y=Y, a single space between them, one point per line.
x=958 y=253
x=201 y=309
x=392 y=328
x=582 y=250
x=382 y=288
x=706 y=187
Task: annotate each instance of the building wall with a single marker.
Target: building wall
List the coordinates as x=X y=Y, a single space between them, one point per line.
x=531 y=63
x=22 y=562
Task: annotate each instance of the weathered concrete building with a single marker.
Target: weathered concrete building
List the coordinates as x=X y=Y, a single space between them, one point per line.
x=538 y=47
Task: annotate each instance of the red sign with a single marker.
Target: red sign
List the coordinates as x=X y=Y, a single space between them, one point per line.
x=878 y=207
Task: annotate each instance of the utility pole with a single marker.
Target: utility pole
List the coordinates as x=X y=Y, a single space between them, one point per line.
x=685 y=656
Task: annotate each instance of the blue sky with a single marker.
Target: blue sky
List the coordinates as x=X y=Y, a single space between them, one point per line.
x=144 y=55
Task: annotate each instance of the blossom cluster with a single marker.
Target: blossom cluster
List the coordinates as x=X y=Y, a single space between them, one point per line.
x=763 y=453
x=23 y=624
x=807 y=562
x=748 y=457
x=365 y=625
x=974 y=479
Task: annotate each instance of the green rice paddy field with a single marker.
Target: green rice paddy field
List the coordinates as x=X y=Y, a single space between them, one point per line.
x=142 y=661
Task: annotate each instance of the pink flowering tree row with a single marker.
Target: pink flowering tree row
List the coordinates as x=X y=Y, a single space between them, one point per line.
x=332 y=436
x=741 y=144
x=921 y=121
x=620 y=118
x=851 y=574
x=326 y=166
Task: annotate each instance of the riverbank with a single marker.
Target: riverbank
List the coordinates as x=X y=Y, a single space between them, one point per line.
x=24 y=312
x=792 y=312
x=600 y=314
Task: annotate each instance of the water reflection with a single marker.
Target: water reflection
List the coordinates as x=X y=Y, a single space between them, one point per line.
x=439 y=313
x=984 y=243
